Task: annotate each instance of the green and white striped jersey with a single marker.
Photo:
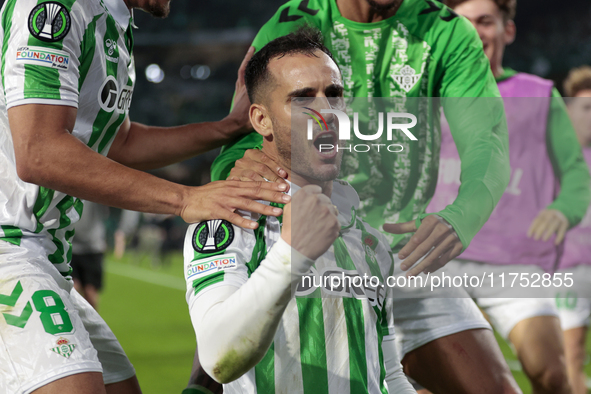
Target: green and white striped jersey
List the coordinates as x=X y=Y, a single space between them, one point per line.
x=60 y=52
x=329 y=338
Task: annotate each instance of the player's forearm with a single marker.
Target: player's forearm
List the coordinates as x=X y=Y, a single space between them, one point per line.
x=145 y=147
x=480 y=134
x=574 y=196
x=246 y=320
x=67 y=165
x=568 y=162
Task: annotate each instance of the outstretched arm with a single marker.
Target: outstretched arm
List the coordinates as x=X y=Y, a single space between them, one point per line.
x=47 y=154
x=475 y=112
x=570 y=168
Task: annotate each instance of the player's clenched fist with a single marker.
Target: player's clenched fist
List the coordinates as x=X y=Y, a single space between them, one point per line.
x=310 y=223
x=220 y=200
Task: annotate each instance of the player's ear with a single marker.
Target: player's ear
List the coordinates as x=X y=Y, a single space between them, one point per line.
x=260 y=119
x=510 y=31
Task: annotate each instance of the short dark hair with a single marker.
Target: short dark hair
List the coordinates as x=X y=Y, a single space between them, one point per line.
x=578 y=79
x=507 y=7
x=306 y=40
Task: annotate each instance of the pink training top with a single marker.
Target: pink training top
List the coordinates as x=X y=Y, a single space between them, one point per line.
x=533 y=186
x=577 y=245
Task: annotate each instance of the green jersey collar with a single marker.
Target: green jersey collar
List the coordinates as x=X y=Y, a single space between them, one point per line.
x=404 y=7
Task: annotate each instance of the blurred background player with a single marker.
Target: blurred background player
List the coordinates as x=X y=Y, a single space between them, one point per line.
x=88 y=250
x=129 y=222
x=526 y=228
x=273 y=333
x=574 y=304
x=376 y=45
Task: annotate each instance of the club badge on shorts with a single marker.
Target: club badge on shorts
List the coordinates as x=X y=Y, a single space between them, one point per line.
x=213 y=236
x=49 y=21
x=63 y=347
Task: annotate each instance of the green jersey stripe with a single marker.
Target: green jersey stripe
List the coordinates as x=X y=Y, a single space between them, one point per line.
x=312 y=345
x=379 y=331
x=63 y=206
x=14 y=241
x=200 y=284
x=98 y=126
x=110 y=132
x=79 y=206
x=69 y=236
x=56 y=257
x=259 y=252
x=7 y=23
x=104 y=117
x=356 y=341
x=11 y=231
x=264 y=372
x=42 y=203
x=11 y=234
x=87 y=48
x=354 y=318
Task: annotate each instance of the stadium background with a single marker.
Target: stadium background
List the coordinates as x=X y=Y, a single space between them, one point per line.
x=186 y=68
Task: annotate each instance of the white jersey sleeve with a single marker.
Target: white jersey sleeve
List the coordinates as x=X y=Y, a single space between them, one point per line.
x=216 y=253
x=43 y=45
x=228 y=297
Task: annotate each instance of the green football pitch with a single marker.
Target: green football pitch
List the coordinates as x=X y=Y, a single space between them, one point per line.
x=145 y=306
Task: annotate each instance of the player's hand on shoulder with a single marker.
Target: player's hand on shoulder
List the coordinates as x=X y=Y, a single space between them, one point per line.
x=221 y=200
x=257 y=166
x=310 y=223
x=435 y=239
x=546 y=224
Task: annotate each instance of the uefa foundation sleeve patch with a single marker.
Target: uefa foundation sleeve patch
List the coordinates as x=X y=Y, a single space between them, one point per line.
x=203 y=268
x=49 y=21
x=212 y=236
x=46 y=57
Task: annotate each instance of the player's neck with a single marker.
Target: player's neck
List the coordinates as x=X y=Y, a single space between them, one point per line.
x=362 y=11
x=497 y=68
x=496 y=63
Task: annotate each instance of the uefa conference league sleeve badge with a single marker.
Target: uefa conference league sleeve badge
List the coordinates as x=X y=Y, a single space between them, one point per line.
x=213 y=236
x=49 y=21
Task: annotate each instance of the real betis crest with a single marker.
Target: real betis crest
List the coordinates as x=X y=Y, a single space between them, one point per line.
x=64 y=348
x=370 y=243
x=370 y=240
x=213 y=236
x=406 y=78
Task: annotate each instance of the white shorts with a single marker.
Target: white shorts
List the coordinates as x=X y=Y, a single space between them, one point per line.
x=575 y=310
x=47 y=330
x=422 y=316
x=503 y=310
